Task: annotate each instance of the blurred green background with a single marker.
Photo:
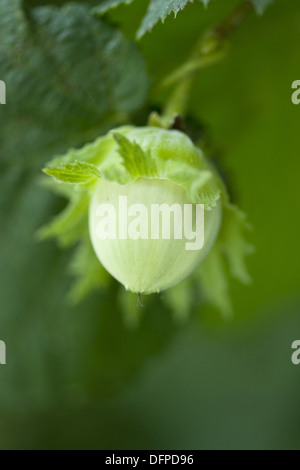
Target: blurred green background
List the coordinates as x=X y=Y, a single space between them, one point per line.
x=77 y=376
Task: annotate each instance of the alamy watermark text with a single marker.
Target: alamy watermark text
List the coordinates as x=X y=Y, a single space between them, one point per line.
x=136 y=221
x=2 y=92
x=2 y=353
x=296 y=353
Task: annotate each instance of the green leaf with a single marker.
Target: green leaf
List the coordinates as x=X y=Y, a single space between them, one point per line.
x=77 y=172
x=107 y=5
x=159 y=10
x=199 y=185
x=261 y=5
x=136 y=161
x=93 y=153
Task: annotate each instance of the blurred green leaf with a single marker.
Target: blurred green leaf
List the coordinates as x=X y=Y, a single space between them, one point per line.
x=88 y=272
x=159 y=10
x=107 y=5
x=233 y=242
x=214 y=281
x=71 y=223
x=73 y=75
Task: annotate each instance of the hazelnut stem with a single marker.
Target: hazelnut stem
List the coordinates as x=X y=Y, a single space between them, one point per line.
x=210 y=48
